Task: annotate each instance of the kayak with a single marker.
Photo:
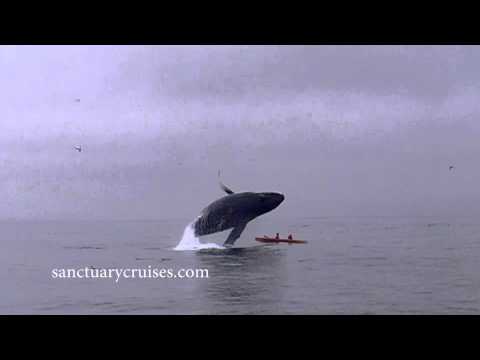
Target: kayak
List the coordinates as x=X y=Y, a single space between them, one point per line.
x=275 y=241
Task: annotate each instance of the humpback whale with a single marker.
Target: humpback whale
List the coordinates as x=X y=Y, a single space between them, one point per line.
x=234 y=211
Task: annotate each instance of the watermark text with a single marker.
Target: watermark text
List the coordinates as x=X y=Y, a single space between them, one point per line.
x=127 y=273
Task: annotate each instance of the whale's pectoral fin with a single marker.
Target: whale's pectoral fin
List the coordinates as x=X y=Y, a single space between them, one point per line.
x=235 y=234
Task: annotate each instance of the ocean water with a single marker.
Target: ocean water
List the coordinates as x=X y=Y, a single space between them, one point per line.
x=363 y=265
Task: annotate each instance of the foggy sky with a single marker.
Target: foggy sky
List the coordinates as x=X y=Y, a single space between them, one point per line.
x=340 y=130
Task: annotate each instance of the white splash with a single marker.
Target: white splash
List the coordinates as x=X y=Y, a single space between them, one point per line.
x=190 y=242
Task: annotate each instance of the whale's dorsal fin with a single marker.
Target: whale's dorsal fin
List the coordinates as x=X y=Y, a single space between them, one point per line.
x=226 y=189
x=223 y=186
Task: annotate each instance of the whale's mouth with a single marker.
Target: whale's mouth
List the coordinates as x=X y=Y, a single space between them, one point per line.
x=190 y=242
x=278 y=197
x=274 y=196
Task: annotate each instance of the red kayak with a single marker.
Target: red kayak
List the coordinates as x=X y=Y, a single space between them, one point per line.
x=266 y=239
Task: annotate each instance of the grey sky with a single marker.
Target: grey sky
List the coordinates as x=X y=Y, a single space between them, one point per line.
x=341 y=130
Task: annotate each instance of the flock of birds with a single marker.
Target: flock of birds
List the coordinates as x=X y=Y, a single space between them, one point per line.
x=79 y=148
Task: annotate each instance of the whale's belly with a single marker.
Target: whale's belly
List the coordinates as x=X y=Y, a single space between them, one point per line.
x=211 y=222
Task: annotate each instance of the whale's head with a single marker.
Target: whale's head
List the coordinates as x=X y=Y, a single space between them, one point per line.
x=267 y=201
x=250 y=205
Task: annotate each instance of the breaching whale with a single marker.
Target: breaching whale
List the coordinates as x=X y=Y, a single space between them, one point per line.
x=234 y=211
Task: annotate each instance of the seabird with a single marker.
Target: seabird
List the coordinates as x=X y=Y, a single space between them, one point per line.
x=78 y=148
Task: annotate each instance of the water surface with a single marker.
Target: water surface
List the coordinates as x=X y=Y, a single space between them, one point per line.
x=362 y=265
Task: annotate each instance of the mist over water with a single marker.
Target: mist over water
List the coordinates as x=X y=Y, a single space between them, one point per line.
x=341 y=130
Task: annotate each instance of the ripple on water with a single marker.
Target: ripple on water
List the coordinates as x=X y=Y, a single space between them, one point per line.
x=84 y=247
